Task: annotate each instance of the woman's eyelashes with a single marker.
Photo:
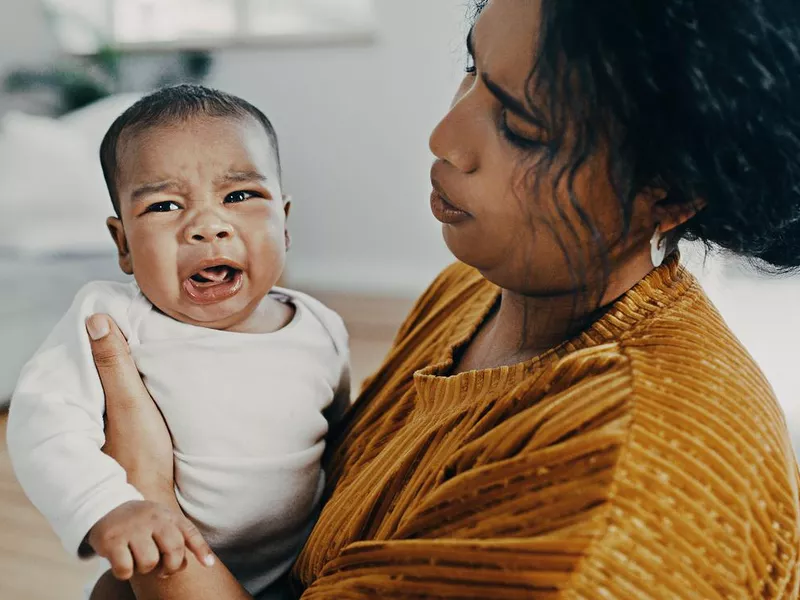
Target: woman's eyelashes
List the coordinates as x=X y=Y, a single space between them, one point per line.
x=521 y=141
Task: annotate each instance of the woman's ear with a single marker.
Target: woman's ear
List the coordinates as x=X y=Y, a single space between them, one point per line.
x=671 y=215
x=117 y=232
x=287 y=207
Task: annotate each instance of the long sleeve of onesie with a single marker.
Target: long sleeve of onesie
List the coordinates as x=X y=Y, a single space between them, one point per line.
x=55 y=427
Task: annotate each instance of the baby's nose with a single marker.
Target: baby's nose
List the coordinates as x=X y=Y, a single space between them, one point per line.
x=208 y=229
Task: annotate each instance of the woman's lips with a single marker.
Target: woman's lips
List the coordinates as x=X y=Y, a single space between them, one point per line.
x=446 y=212
x=211 y=292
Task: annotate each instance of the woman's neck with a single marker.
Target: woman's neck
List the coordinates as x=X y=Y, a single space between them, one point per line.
x=523 y=327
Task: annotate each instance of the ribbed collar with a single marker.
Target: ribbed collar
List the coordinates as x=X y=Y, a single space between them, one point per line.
x=435 y=388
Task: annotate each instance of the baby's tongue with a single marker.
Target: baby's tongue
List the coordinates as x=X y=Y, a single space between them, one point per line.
x=215 y=274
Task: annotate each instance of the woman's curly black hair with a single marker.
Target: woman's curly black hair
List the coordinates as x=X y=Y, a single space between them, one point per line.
x=698 y=97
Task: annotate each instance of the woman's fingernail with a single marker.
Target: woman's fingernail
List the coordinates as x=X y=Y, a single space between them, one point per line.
x=209 y=560
x=97 y=326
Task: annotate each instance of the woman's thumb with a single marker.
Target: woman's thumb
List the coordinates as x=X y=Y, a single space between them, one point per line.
x=97 y=326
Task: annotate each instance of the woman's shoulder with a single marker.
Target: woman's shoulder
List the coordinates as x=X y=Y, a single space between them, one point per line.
x=708 y=464
x=700 y=474
x=685 y=358
x=704 y=478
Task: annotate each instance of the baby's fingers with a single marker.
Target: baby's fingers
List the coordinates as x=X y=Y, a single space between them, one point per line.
x=145 y=554
x=196 y=543
x=121 y=561
x=173 y=550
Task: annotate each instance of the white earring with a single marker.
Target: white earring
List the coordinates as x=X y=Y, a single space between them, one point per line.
x=658 y=248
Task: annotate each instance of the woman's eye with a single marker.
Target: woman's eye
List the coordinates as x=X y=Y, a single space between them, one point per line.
x=470 y=69
x=166 y=206
x=518 y=140
x=239 y=196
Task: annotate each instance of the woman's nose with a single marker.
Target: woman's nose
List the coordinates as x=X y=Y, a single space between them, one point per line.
x=454 y=139
x=208 y=227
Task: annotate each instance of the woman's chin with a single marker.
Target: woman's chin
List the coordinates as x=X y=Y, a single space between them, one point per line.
x=465 y=248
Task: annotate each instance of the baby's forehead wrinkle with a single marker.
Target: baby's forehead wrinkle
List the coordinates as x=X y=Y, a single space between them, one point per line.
x=153 y=188
x=241 y=176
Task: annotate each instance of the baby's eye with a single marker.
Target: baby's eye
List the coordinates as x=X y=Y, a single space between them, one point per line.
x=240 y=196
x=166 y=206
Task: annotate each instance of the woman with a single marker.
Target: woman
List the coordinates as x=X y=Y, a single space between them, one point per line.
x=566 y=416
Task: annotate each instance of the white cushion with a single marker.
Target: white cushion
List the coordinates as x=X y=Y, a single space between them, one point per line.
x=53 y=198
x=92 y=122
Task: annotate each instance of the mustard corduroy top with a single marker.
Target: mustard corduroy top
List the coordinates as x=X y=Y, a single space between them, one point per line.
x=647 y=458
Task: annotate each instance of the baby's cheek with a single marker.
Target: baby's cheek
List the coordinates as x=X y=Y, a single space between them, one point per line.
x=268 y=236
x=267 y=256
x=156 y=273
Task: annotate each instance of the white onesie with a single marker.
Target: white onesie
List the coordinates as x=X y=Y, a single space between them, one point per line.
x=248 y=415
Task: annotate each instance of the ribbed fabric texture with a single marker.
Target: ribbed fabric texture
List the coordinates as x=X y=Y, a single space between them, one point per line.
x=647 y=458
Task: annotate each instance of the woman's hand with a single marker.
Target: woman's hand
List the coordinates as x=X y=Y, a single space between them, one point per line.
x=136 y=434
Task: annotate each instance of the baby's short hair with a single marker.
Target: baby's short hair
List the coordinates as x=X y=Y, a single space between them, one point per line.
x=170 y=105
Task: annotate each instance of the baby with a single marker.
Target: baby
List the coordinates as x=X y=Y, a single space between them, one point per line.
x=248 y=377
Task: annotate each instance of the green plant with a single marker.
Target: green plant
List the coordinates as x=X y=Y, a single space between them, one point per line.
x=78 y=82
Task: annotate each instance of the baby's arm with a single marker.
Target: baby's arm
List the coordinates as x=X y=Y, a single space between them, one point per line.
x=55 y=439
x=342 y=396
x=55 y=427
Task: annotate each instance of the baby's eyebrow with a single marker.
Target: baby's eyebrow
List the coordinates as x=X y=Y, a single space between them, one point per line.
x=152 y=188
x=240 y=177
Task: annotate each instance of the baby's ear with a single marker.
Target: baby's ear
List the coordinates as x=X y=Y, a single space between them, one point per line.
x=287 y=204
x=287 y=207
x=117 y=232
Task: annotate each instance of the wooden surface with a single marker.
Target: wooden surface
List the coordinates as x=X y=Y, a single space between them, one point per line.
x=33 y=564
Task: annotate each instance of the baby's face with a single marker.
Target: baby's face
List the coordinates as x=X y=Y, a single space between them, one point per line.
x=203 y=225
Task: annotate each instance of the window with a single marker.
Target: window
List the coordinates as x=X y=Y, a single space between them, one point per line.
x=82 y=26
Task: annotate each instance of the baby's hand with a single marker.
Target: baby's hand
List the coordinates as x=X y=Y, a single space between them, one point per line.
x=139 y=536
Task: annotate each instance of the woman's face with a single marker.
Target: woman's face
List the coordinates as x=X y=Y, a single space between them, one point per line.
x=500 y=213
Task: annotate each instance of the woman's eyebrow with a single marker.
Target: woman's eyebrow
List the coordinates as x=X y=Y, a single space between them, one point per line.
x=506 y=98
x=519 y=108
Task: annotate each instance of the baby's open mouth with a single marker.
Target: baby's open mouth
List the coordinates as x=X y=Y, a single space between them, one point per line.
x=214 y=275
x=213 y=284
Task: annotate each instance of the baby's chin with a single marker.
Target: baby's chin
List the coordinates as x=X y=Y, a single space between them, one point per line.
x=223 y=315
x=214 y=305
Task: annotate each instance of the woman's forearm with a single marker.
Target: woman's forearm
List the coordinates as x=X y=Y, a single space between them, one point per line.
x=196 y=582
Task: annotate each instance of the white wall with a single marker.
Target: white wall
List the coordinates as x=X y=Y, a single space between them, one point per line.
x=354 y=126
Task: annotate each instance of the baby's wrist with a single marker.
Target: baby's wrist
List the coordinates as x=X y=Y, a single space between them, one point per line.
x=160 y=493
